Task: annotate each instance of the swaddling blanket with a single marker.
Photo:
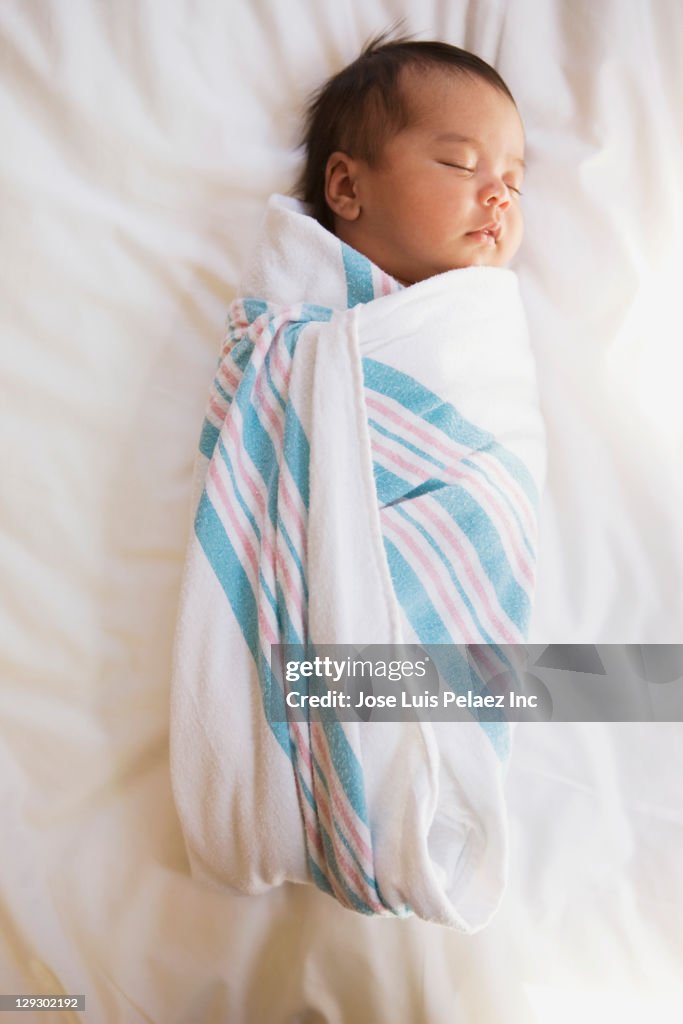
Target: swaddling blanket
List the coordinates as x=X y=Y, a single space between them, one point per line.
x=368 y=472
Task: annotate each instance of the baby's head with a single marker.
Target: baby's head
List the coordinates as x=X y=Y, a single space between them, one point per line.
x=415 y=157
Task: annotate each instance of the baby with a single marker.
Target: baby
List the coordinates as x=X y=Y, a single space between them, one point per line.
x=369 y=465
x=415 y=158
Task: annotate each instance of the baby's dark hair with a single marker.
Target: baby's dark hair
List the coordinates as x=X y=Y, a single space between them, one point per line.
x=362 y=106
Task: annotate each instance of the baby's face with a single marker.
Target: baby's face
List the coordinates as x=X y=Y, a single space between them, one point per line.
x=446 y=192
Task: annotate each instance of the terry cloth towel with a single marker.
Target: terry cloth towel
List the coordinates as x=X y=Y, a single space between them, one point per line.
x=368 y=472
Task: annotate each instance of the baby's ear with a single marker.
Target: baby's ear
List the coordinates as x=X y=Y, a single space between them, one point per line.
x=341 y=193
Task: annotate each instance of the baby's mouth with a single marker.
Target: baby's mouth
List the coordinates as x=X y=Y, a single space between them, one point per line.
x=488 y=234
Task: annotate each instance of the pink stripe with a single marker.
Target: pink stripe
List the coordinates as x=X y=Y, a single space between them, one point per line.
x=345 y=813
x=458 y=475
x=227 y=505
x=237 y=314
x=263 y=395
x=219 y=409
x=428 y=566
x=399 y=460
x=292 y=591
x=303 y=748
x=350 y=871
x=507 y=481
x=322 y=803
x=242 y=474
x=411 y=426
x=266 y=398
x=313 y=831
x=288 y=501
x=264 y=626
x=508 y=637
x=229 y=376
x=291 y=502
x=456 y=451
x=305 y=768
x=283 y=367
x=386 y=283
x=267 y=632
x=294 y=595
x=294 y=598
x=462 y=555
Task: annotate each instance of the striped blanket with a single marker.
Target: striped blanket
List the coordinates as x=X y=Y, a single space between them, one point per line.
x=368 y=472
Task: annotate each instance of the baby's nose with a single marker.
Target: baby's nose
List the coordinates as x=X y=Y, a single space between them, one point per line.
x=495 y=193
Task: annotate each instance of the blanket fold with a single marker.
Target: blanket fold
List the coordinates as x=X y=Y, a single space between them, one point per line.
x=368 y=472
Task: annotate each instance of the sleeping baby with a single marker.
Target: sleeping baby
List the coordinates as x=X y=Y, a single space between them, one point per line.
x=368 y=473
x=415 y=158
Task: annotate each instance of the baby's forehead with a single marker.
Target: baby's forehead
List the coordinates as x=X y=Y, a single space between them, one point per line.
x=456 y=103
x=423 y=89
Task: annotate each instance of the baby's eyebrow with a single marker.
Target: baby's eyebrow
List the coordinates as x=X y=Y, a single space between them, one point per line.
x=455 y=137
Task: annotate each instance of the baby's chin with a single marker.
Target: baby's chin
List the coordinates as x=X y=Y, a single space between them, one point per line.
x=460 y=261
x=494 y=257
x=463 y=264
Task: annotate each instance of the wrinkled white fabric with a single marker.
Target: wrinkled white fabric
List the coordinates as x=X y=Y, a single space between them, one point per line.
x=140 y=143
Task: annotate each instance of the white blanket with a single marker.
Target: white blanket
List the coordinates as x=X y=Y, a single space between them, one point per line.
x=369 y=471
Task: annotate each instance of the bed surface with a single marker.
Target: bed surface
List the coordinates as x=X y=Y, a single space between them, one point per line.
x=141 y=141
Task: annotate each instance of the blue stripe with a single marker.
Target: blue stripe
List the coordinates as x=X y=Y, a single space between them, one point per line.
x=472 y=519
x=233 y=579
x=271 y=384
x=447 y=563
x=423 y=616
x=247 y=512
x=254 y=308
x=369 y=881
x=431 y=630
x=405 y=443
x=358 y=270
x=286 y=629
x=208 y=439
x=346 y=765
x=235 y=583
x=222 y=392
x=482 y=534
x=505 y=497
x=241 y=352
x=420 y=401
x=342 y=754
x=392 y=488
x=264 y=457
x=318 y=877
x=331 y=863
x=311 y=311
x=296 y=557
x=272 y=504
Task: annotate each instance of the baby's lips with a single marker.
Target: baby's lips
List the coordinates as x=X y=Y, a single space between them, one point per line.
x=492 y=228
x=483 y=237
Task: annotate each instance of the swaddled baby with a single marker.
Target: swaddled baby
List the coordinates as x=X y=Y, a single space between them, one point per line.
x=368 y=473
x=415 y=158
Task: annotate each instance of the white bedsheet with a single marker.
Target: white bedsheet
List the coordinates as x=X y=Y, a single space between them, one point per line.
x=140 y=141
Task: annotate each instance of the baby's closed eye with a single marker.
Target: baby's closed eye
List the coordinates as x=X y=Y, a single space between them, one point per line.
x=460 y=167
x=471 y=170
